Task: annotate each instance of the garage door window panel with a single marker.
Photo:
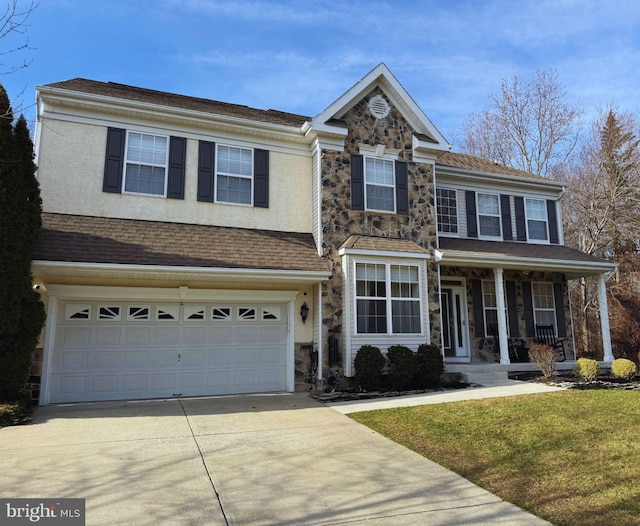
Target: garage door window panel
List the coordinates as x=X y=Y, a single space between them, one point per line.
x=271 y=314
x=108 y=312
x=138 y=313
x=194 y=313
x=75 y=311
x=246 y=314
x=221 y=314
x=167 y=312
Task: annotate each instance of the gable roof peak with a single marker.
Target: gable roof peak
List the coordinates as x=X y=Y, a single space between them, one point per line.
x=381 y=77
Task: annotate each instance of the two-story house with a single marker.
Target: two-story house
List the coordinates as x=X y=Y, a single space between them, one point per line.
x=193 y=247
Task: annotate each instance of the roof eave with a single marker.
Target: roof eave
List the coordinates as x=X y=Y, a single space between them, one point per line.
x=476 y=175
x=144 y=108
x=471 y=259
x=43 y=269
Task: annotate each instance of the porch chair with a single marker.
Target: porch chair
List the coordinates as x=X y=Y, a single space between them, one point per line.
x=545 y=335
x=518 y=350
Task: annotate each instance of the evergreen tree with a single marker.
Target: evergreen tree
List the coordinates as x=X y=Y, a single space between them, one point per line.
x=21 y=310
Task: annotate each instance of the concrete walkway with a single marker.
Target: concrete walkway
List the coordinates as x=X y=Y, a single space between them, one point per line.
x=243 y=460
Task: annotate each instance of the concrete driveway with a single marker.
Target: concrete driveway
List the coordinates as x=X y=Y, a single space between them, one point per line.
x=244 y=460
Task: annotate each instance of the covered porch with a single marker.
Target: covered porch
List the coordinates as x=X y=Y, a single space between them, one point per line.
x=497 y=298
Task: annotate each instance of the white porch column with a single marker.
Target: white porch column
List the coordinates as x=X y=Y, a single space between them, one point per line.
x=502 y=317
x=604 y=318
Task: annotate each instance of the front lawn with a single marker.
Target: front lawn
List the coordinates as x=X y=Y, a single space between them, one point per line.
x=571 y=457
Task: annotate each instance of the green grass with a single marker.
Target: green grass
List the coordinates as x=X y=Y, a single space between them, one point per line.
x=572 y=457
x=14 y=413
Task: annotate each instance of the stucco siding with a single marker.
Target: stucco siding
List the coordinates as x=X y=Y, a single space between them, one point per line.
x=72 y=184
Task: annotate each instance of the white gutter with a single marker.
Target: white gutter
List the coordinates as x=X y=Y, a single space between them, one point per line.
x=48 y=268
x=71 y=96
x=506 y=261
x=475 y=175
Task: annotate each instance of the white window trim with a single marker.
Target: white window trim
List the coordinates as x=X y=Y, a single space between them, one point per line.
x=478 y=214
x=526 y=221
x=388 y=298
x=216 y=173
x=449 y=234
x=488 y=333
x=392 y=186
x=126 y=161
x=548 y=309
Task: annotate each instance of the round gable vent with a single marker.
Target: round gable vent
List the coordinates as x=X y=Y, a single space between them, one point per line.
x=378 y=107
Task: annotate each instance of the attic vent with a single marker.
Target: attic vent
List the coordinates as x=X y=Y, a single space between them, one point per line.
x=378 y=107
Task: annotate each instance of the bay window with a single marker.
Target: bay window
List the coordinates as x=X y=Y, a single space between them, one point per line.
x=387 y=299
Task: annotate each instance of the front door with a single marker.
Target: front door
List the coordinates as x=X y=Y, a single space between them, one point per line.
x=455 y=331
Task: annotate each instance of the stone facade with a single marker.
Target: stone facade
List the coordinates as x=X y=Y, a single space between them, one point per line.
x=477 y=353
x=339 y=221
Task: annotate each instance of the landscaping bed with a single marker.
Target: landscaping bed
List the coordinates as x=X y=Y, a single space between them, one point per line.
x=571 y=382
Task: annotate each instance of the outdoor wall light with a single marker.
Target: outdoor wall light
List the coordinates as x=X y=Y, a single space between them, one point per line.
x=304 y=312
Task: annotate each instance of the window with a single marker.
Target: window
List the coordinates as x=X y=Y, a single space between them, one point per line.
x=109 y=312
x=447 y=210
x=536 y=210
x=489 y=215
x=379 y=180
x=387 y=299
x=234 y=175
x=77 y=312
x=136 y=313
x=490 y=305
x=544 y=311
x=146 y=164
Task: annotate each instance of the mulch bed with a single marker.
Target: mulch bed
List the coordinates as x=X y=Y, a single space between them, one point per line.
x=571 y=382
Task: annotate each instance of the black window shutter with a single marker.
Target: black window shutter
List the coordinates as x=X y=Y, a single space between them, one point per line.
x=357 y=182
x=472 y=220
x=560 y=316
x=505 y=207
x=261 y=178
x=177 y=162
x=521 y=225
x=402 y=188
x=528 y=309
x=512 y=309
x=478 y=310
x=114 y=161
x=206 y=170
x=553 y=222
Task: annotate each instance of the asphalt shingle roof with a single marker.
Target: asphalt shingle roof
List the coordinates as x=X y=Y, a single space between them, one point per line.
x=86 y=239
x=477 y=164
x=122 y=91
x=383 y=244
x=508 y=249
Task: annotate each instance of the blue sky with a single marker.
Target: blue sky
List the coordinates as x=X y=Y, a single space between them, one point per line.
x=300 y=55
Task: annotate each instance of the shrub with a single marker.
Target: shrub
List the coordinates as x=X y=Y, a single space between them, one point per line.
x=430 y=366
x=545 y=359
x=369 y=363
x=587 y=369
x=623 y=368
x=402 y=367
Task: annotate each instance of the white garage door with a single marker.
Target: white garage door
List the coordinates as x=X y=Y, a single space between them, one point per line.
x=124 y=350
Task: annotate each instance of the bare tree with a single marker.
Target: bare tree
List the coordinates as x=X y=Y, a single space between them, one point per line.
x=602 y=217
x=530 y=126
x=13 y=28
